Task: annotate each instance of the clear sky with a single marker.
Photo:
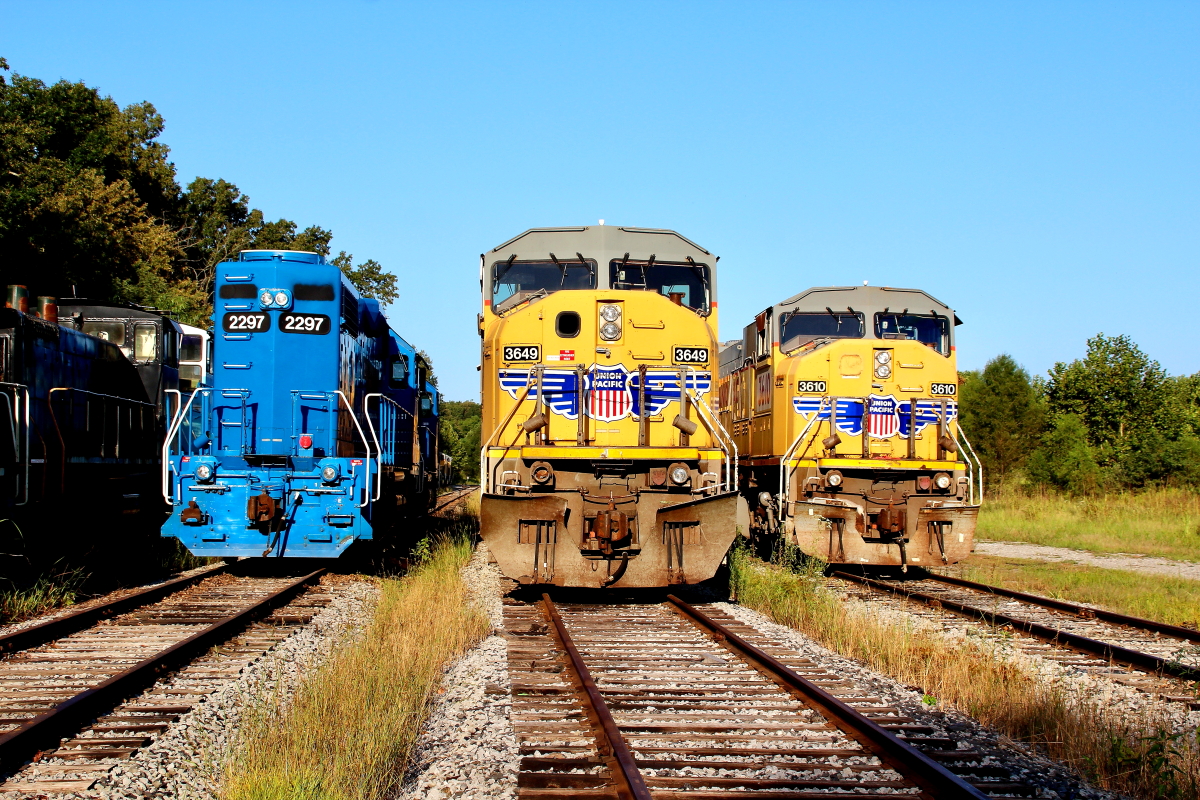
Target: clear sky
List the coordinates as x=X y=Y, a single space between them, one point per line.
x=1036 y=166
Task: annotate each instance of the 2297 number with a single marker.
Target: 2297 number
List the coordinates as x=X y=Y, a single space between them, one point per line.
x=522 y=352
x=245 y=323
x=304 y=323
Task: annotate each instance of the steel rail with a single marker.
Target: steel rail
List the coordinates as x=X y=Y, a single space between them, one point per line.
x=46 y=729
x=1112 y=652
x=629 y=778
x=910 y=762
x=458 y=495
x=67 y=624
x=1074 y=608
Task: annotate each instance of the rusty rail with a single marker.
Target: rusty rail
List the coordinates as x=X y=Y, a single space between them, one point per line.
x=67 y=624
x=1073 y=608
x=46 y=729
x=457 y=495
x=621 y=762
x=1106 y=650
x=900 y=755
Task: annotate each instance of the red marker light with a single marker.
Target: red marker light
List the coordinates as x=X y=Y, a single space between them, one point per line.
x=305 y=441
x=186 y=459
x=356 y=462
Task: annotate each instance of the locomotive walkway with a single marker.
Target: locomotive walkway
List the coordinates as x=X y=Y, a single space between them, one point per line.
x=676 y=701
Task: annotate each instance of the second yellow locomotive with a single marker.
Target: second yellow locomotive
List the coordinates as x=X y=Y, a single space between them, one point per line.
x=603 y=464
x=843 y=403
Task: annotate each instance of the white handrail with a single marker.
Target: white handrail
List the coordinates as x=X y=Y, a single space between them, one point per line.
x=172 y=431
x=22 y=409
x=969 y=452
x=366 y=444
x=710 y=420
x=785 y=474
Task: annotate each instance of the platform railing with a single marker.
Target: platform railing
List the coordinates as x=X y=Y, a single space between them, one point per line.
x=172 y=433
x=387 y=439
x=17 y=407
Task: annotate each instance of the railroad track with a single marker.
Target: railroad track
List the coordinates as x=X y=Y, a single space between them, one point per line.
x=674 y=701
x=85 y=690
x=451 y=499
x=1145 y=654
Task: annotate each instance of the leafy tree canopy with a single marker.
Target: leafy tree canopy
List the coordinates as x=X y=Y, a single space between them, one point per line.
x=1003 y=414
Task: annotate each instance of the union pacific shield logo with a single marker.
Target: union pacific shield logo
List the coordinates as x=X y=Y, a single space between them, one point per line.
x=609 y=395
x=883 y=419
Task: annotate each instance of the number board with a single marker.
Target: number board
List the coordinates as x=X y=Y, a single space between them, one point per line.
x=945 y=389
x=812 y=387
x=316 y=324
x=691 y=355
x=522 y=352
x=245 y=323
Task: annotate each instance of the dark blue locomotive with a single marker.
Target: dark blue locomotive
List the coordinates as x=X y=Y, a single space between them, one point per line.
x=320 y=426
x=76 y=425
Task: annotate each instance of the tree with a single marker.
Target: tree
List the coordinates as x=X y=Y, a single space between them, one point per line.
x=1117 y=391
x=1064 y=459
x=460 y=426
x=369 y=278
x=1001 y=412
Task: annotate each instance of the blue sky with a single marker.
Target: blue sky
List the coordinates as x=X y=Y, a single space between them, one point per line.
x=1034 y=165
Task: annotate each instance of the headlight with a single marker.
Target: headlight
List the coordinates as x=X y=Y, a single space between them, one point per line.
x=329 y=474
x=203 y=472
x=266 y=298
x=679 y=475
x=764 y=499
x=281 y=299
x=883 y=357
x=610 y=331
x=882 y=371
x=941 y=481
x=610 y=313
x=833 y=478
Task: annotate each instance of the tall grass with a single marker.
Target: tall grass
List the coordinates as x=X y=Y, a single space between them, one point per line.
x=46 y=593
x=1160 y=522
x=348 y=731
x=1134 y=751
x=1160 y=597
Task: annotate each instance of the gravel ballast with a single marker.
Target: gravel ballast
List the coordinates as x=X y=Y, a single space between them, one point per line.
x=467 y=747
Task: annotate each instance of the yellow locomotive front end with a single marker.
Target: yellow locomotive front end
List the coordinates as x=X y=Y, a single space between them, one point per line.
x=602 y=463
x=844 y=402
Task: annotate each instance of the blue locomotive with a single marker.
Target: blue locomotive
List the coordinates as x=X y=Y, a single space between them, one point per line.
x=319 y=428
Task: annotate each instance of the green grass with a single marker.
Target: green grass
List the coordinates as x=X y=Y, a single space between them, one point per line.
x=349 y=730
x=1159 y=597
x=1128 y=750
x=1158 y=522
x=46 y=593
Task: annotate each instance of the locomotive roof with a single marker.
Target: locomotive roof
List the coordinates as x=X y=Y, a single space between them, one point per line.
x=868 y=299
x=604 y=243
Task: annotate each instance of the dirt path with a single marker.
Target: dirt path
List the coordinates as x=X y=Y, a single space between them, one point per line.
x=1126 y=561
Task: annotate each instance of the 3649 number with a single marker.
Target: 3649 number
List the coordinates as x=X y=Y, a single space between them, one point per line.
x=245 y=323
x=522 y=352
x=817 y=387
x=691 y=355
x=304 y=323
x=944 y=389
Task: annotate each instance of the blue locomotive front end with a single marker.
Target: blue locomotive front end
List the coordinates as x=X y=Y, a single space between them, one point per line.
x=310 y=436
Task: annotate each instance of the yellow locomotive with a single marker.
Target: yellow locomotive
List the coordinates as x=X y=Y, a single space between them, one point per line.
x=842 y=402
x=603 y=464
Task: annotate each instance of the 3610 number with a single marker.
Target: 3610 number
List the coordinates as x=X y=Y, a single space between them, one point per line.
x=304 y=323
x=522 y=352
x=814 y=387
x=245 y=323
x=944 y=389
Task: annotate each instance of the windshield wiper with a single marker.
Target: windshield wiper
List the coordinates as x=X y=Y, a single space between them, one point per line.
x=561 y=269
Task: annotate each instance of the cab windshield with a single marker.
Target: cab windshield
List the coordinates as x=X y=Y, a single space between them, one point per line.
x=687 y=282
x=523 y=279
x=929 y=330
x=800 y=327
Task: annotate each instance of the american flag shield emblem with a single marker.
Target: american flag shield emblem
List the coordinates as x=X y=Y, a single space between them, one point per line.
x=883 y=419
x=609 y=396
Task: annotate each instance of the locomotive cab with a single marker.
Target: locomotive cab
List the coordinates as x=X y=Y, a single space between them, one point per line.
x=845 y=402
